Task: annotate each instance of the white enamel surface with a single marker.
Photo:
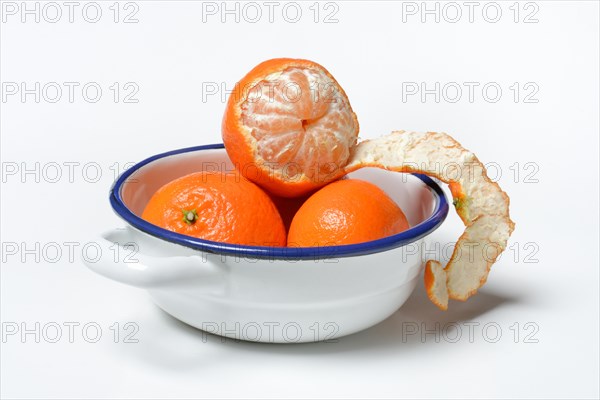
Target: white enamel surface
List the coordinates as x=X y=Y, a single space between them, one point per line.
x=290 y=300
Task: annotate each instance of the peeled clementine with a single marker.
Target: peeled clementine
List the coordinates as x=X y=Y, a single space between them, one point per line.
x=289 y=126
x=219 y=207
x=346 y=212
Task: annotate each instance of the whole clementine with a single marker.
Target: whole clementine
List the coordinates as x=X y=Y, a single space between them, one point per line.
x=219 y=207
x=347 y=211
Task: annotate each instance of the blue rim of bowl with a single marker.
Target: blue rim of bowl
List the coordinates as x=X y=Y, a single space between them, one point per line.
x=293 y=253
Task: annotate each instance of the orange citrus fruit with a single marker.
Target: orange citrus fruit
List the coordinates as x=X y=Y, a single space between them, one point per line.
x=347 y=211
x=289 y=126
x=218 y=207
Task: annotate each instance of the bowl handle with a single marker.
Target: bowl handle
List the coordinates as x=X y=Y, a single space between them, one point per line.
x=120 y=259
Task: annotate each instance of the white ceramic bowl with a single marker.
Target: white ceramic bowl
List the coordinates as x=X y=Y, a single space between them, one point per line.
x=266 y=294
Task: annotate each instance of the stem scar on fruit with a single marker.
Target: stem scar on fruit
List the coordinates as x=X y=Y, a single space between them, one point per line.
x=189 y=217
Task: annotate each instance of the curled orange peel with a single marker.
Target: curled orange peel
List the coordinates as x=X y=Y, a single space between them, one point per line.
x=480 y=203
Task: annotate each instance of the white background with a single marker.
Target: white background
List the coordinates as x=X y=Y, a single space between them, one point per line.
x=173 y=54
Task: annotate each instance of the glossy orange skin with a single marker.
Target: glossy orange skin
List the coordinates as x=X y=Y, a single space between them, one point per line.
x=237 y=140
x=230 y=209
x=347 y=211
